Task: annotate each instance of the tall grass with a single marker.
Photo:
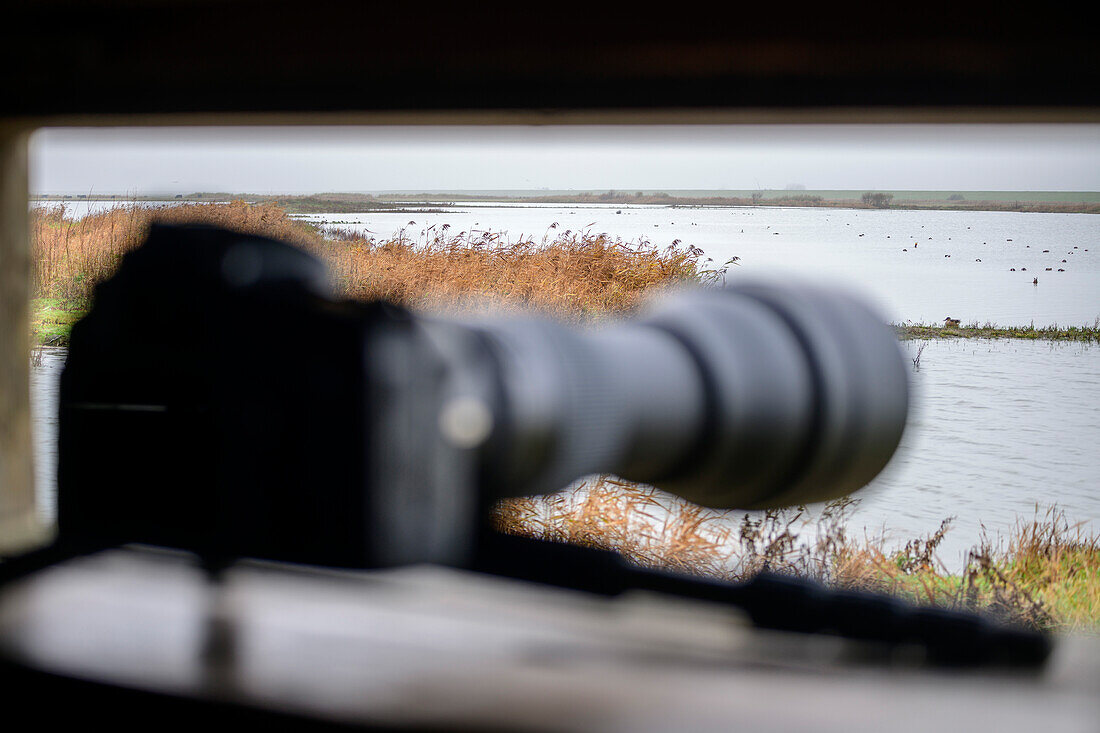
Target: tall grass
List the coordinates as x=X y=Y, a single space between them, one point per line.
x=574 y=273
x=577 y=274
x=70 y=256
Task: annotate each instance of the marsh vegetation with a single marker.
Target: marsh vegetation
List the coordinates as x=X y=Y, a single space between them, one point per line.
x=1044 y=574
x=577 y=274
x=1085 y=334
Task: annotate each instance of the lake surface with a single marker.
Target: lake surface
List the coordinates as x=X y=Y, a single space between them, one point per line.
x=997 y=427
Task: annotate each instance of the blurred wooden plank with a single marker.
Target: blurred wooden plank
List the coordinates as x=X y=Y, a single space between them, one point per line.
x=20 y=526
x=429 y=647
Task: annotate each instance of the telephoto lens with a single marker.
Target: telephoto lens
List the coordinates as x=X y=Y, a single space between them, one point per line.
x=218 y=398
x=748 y=397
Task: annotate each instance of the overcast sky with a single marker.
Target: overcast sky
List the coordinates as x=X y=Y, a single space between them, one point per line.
x=316 y=159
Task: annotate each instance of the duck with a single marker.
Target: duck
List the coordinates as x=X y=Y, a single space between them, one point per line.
x=950 y=322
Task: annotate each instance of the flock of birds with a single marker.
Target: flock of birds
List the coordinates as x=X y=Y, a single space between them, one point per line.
x=950 y=322
x=1034 y=281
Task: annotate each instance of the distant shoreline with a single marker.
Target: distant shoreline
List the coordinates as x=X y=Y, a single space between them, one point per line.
x=1071 y=202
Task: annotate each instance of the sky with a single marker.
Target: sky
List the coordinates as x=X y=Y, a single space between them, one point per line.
x=169 y=160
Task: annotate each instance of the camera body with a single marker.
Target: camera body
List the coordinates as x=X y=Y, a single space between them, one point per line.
x=217 y=398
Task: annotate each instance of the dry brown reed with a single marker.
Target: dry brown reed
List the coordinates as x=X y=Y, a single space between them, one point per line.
x=71 y=255
x=578 y=274
x=574 y=274
x=660 y=530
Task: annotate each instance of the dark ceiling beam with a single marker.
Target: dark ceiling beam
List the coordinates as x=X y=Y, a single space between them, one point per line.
x=201 y=56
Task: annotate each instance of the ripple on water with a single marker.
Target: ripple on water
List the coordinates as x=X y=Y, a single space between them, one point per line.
x=1023 y=433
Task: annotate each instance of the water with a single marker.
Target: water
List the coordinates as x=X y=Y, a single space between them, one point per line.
x=997 y=426
x=45 y=379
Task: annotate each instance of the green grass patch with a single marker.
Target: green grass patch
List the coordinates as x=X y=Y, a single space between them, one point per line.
x=52 y=319
x=912 y=331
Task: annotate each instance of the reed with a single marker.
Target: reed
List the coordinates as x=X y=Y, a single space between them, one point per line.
x=71 y=256
x=573 y=274
x=578 y=274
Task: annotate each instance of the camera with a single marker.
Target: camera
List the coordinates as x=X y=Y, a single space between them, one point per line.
x=218 y=398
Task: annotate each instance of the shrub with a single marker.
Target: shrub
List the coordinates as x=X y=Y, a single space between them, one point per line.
x=877 y=200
